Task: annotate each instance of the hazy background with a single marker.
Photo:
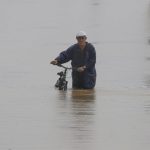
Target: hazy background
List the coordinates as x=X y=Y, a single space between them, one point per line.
x=36 y=116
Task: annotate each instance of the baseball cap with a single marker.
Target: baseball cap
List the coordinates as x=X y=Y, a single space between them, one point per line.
x=81 y=33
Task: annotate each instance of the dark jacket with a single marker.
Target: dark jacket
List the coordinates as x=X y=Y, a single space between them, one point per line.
x=78 y=57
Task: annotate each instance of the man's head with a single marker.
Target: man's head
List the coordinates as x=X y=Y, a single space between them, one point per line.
x=81 y=38
x=80 y=34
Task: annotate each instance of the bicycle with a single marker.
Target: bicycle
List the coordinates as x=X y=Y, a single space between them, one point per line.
x=61 y=83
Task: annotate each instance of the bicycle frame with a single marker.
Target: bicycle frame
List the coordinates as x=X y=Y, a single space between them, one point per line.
x=61 y=83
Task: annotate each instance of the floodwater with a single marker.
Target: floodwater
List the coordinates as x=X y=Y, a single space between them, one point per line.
x=36 y=116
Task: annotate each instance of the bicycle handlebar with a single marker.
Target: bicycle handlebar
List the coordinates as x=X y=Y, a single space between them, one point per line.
x=67 y=68
x=60 y=65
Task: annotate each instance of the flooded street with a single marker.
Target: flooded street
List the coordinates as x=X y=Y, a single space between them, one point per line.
x=36 y=116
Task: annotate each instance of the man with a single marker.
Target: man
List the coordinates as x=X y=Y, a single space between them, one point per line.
x=83 y=59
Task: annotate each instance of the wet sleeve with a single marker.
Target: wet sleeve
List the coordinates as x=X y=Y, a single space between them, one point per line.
x=65 y=56
x=92 y=58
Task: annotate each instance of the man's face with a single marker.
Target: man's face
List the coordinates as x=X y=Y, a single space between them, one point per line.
x=81 y=40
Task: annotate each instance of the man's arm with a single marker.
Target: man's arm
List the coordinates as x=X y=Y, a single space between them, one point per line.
x=92 y=58
x=65 y=56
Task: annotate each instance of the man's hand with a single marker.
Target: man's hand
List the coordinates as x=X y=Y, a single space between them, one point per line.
x=54 y=62
x=81 y=69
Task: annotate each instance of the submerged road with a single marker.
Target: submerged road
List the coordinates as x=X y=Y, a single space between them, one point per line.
x=36 y=116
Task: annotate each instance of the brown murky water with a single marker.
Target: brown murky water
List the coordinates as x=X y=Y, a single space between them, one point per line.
x=36 y=116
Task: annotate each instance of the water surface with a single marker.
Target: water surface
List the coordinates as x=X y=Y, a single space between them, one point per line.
x=36 y=116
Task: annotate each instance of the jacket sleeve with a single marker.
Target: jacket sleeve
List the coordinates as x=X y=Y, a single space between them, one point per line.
x=65 y=55
x=92 y=57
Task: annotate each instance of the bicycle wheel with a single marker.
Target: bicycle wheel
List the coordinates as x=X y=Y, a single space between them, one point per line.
x=65 y=85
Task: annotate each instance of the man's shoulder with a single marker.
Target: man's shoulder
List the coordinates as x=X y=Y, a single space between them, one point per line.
x=90 y=46
x=73 y=46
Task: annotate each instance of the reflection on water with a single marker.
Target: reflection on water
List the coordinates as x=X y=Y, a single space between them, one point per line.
x=147 y=81
x=149 y=41
x=83 y=95
x=147 y=107
x=148 y=17
x=114 y=116
x=83 y=111
x=76 y=109
x=95 y=2
x=148 y=58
